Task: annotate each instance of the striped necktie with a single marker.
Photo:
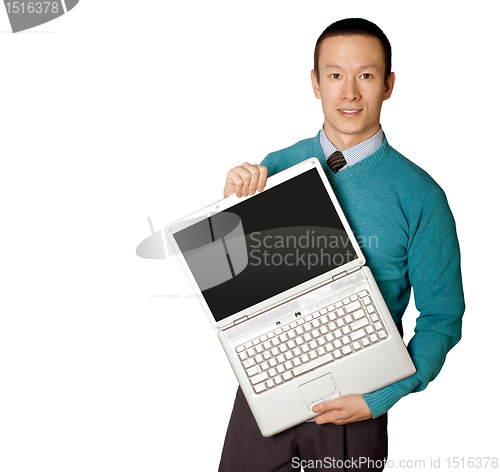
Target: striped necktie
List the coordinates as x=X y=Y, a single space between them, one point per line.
x=336 y=161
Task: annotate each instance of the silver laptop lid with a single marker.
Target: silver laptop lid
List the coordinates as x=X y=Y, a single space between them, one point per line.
x=246 y=255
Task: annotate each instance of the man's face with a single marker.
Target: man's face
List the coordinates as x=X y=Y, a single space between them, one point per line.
x=351 y=87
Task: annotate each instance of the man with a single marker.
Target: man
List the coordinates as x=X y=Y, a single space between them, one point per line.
x=383 y=195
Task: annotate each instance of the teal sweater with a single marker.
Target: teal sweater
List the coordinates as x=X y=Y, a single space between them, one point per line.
x=401 y=218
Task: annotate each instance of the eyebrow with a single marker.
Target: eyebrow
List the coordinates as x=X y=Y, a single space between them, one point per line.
x=337 y=66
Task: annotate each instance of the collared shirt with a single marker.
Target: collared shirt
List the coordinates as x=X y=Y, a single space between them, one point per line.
x=356 y=153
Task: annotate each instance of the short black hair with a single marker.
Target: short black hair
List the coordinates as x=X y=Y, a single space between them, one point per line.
x=351 y=27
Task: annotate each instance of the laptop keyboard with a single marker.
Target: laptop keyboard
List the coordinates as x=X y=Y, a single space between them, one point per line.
x=331 y=333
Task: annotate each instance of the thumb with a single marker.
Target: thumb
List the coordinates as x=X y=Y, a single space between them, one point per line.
x=336 y=404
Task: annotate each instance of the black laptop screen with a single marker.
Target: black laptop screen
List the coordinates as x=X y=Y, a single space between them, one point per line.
x=265 y=245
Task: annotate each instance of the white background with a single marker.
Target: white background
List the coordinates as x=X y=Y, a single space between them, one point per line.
x=121 y=110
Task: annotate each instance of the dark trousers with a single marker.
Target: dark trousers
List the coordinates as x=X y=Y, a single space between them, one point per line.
x=354 y=446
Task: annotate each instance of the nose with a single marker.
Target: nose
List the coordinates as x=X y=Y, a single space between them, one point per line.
x=350 y=91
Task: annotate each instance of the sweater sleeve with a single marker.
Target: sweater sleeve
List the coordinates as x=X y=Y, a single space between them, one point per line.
x=434 y=273
x=269 y=163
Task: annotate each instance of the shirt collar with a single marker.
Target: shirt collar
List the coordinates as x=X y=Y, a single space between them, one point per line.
x=356 y=153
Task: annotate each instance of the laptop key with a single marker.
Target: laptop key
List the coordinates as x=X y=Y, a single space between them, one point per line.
x=248 y=363
x=346 y=350
x=260 y=388
x=259 y=378
x=366 y=300
x=352 y=306
x=319 y=361
x=253 y=371
x=287 y=376
x=361 y=323
x=357 y=335
x=358 y=314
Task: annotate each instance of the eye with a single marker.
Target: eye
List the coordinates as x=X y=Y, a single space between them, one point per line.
x=365 y=76
x=335 y=76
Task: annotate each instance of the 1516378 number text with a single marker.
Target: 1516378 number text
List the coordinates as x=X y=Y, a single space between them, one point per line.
x=32 y=7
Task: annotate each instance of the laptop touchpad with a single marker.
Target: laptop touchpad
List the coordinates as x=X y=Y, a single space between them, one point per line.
x=318 y=390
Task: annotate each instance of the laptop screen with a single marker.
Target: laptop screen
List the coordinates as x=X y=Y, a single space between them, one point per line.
x=265 y=245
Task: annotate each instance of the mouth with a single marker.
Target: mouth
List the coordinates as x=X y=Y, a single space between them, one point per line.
x=348 y=112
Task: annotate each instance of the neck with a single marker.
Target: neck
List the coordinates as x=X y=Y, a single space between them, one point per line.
x=343 y=141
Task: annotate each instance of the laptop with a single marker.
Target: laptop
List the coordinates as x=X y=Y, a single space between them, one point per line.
x=283 y=281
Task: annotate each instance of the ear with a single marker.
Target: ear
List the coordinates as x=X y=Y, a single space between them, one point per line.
x=389 y=85
x=315 y=84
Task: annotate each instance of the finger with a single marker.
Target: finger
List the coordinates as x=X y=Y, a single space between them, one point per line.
x=237 y=182
x=245 y=171
x=254 y=179
x=329 y=410
x=262 y=178
x=233 y=184
x=328 y=405
x=332 y=416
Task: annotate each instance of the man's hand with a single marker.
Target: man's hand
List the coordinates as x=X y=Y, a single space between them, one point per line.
x=245 y=180
x=342 y=410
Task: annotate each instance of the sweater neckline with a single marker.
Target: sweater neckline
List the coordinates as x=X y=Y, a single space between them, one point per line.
x=365 y=165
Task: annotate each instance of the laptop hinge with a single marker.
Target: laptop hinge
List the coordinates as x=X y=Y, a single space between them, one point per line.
x=344 y=273
x=240 y=320
x=338 y=276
